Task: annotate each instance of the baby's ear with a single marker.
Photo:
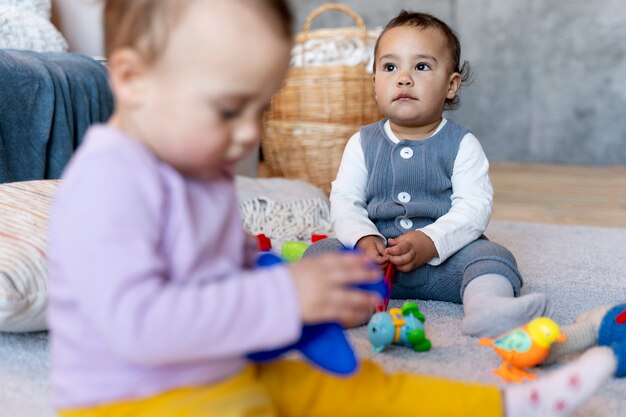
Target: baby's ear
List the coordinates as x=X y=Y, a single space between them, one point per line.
x=454 y=85
x=127 y=71
x=374 y=81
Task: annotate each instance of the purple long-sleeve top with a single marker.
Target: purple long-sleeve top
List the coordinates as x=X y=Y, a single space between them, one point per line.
x=149 y=288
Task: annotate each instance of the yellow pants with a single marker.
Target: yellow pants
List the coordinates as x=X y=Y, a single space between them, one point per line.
x=294 y=388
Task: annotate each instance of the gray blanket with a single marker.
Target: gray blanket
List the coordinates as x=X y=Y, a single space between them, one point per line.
x=47 y=101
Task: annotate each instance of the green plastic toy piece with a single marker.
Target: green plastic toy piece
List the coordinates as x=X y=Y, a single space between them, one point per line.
x=417 y=337
x=293 y=251
x=412 y=309
x=418 y=340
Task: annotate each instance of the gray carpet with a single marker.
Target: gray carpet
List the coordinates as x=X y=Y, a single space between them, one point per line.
x=578 y=267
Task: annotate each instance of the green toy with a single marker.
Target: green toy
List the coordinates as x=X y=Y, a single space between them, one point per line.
x=404 y=327
x=293 y=251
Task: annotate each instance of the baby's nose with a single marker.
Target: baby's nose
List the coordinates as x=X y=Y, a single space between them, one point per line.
x=405 y=82
x=248 y=133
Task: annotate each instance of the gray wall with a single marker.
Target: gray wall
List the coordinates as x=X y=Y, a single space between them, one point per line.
x=549 y=75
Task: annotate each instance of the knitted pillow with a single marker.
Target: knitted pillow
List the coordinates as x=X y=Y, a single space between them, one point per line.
x=24 y=210
x=25 y=25
x=283 y=209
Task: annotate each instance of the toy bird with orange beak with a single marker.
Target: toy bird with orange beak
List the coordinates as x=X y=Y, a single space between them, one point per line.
x=524 y=347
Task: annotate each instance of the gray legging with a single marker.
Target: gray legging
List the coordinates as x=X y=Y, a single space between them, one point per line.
x=446 y=282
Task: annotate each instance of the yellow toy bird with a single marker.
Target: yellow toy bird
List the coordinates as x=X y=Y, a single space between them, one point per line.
x=524 y=347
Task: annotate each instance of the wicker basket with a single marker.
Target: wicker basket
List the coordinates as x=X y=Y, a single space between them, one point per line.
x=318 y=108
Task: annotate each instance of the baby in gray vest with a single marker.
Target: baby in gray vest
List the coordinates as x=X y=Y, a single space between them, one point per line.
x=413 y=189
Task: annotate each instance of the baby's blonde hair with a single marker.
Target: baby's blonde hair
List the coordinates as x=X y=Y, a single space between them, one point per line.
x=144 y=25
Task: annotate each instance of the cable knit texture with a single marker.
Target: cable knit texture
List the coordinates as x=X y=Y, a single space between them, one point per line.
x=283 y=209
x=25 y=25
x=409 y=182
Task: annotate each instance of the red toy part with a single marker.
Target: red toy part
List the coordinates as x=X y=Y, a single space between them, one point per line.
x=315 y=238
x=390 y=277
x=264 y=243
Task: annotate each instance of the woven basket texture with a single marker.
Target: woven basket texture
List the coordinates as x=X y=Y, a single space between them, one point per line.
x=318 y=109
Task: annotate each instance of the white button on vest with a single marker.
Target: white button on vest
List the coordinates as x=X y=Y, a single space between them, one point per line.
x=404 y=197
x=406 y=152
x=406 y=223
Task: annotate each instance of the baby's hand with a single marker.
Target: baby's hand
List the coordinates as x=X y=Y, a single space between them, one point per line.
x=325 y=289
x=250 y=251
x=374 y=248
x=411 y=250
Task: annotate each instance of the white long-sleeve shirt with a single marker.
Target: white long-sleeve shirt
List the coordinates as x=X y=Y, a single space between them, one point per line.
x=472 y=198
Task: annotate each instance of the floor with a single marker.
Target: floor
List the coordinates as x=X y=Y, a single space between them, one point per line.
x=558 y=194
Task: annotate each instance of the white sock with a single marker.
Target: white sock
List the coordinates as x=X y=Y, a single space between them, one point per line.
x=491 y=308
x=561 y=392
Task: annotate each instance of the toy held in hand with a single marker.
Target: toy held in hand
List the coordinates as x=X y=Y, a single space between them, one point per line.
x=390 y=278
x=325 y=345
x=524 y=347
x=383 y=287
x=404 y=327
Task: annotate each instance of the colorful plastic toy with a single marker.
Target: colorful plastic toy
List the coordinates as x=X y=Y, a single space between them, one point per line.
x=316 y=238
x=390 y=278
x=612 y=333
x=403 y=327
x=524 y=347
x=325 y=345
x=264 y=243
x=293 y=251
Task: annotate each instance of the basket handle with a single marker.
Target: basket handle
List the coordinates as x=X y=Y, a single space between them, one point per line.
x=333 y=7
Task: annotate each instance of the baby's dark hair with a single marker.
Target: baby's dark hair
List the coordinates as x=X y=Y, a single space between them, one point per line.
x=144 y=25
x=427 y=21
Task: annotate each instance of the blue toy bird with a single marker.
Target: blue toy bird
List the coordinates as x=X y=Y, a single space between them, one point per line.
x=402 y=327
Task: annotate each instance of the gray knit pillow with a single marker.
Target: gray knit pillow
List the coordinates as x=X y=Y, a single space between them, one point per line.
x=26 y=25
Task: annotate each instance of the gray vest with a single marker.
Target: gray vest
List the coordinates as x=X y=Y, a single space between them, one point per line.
x=409 y=183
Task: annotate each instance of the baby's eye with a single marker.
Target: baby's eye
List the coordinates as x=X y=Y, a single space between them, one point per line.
x=229 y=114
x=422 y=67
x=389 y=67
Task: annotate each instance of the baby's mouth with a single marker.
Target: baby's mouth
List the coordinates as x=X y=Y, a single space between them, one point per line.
x=404 y=97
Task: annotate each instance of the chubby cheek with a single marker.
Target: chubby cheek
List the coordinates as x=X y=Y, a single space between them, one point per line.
x=199 y=153
x=211 y=147
x=386 y=89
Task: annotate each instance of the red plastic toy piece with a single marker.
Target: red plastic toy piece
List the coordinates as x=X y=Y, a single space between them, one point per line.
x=315 y=238
x=390 y=277
x=264 y=243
